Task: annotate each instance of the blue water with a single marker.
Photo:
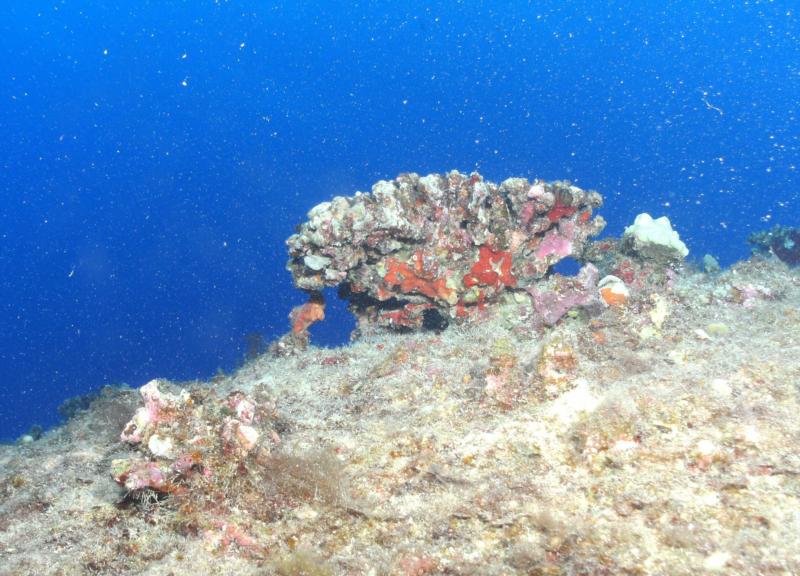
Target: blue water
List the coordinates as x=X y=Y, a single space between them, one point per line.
x=156 y=154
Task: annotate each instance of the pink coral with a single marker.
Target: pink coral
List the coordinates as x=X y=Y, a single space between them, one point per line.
x=554 y=244
x=158 y=407
x=565 y=294
x=139 y=475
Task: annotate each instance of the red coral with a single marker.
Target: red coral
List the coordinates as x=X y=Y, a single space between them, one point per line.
x=417 y=565
x=409 y=316
x=305 y=315
x=225 y=535
x=560 y=210
x=493 y=268
x=625 y=271
x=333 y=360
x=416 y=279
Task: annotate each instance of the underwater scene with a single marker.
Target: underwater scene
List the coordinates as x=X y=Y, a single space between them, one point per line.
x=372 y=288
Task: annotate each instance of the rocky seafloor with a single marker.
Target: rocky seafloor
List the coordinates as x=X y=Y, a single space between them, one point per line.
x=657 y=437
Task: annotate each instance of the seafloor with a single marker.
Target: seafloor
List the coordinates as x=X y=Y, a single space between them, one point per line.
x=662 y=437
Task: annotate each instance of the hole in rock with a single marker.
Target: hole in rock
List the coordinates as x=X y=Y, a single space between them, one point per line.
x=338 y=324
x=567 y=267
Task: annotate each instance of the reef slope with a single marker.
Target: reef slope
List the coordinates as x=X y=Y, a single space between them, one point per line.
x=658 y=437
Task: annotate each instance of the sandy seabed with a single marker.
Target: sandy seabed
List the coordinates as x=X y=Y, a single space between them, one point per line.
x=658 y=437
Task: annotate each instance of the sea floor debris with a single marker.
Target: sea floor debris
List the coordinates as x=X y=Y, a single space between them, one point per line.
x=650 y=430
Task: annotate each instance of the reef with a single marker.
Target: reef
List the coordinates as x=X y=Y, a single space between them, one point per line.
x=636 y=418
x=425 y=251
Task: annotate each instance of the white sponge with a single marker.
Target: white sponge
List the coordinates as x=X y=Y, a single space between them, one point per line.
x=654 y=238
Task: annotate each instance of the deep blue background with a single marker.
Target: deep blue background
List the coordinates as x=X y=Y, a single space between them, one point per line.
x=156 y=154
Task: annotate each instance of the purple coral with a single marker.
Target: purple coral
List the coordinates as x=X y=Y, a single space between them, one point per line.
x=565 y=294
x=429 y=250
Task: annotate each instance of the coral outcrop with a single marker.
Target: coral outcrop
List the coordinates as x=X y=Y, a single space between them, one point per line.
x=427 y=250
x=782 y=241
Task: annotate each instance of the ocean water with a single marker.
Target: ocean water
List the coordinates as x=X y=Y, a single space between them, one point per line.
x=155 y=155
